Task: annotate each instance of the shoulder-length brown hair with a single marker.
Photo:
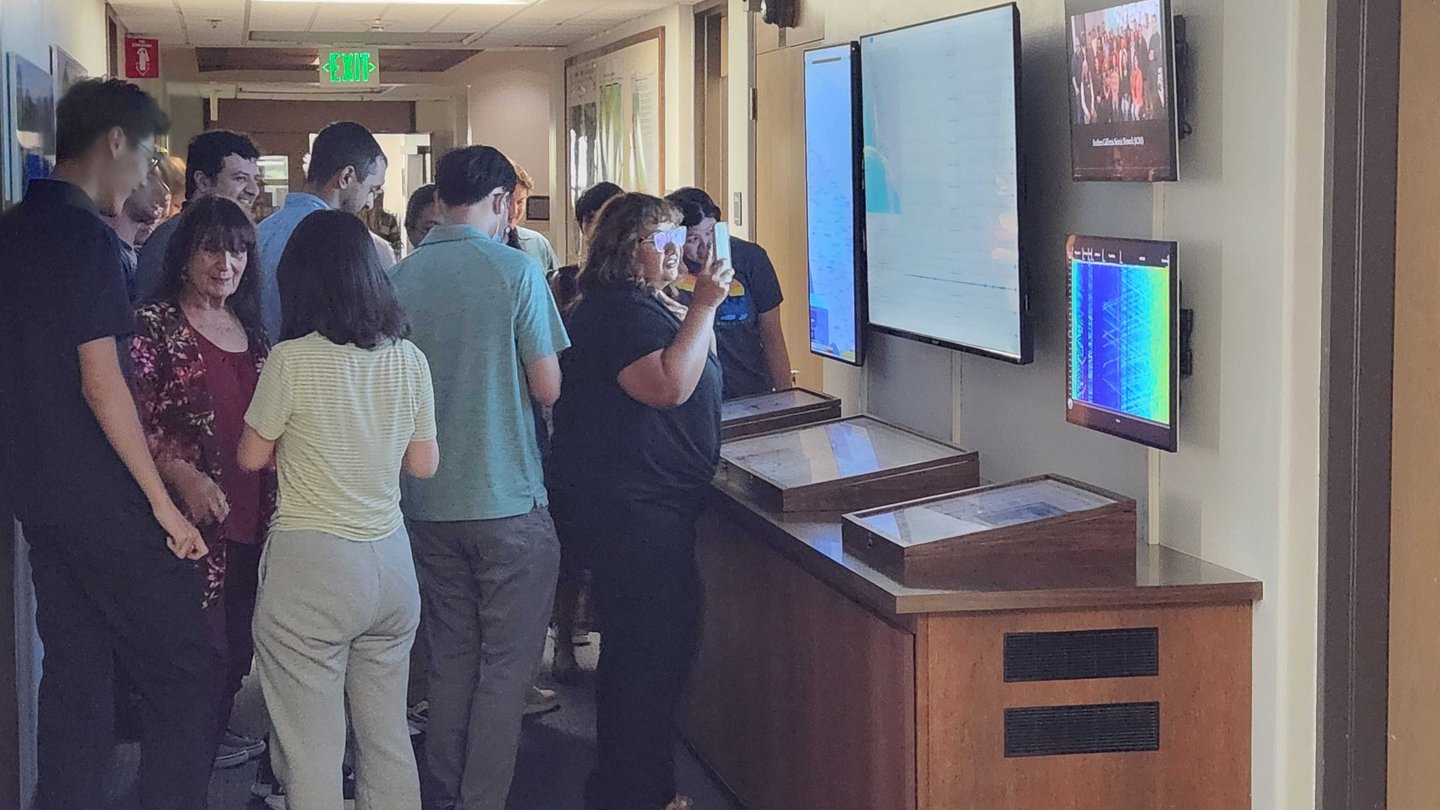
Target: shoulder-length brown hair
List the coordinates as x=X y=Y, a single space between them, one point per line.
x=618 y=231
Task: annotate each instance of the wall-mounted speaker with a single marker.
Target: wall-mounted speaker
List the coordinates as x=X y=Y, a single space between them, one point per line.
x=782 y=13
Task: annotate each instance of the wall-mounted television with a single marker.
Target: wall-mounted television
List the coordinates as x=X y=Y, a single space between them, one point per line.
x=833 y=190
x=1123 y=107
x=1123 y=369
x=942 y=183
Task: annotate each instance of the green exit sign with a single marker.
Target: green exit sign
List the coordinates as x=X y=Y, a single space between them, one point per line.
x=350 y=67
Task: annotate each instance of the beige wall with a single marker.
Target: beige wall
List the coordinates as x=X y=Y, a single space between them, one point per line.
x=509 y=106
x=1242 y=490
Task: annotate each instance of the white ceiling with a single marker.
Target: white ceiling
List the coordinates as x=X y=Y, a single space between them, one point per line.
x=543 y=23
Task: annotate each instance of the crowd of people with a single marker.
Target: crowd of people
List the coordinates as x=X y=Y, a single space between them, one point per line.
x=373 y=483
x=1117 y=73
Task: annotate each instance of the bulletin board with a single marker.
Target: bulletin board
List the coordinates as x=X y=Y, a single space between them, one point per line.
x=615 y=117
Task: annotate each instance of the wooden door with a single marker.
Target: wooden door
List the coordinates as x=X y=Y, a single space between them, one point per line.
x=780 y=196
x=1414 y=721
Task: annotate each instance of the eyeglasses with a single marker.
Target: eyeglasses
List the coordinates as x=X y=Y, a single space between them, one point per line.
x=156 y=155
x=662 y=239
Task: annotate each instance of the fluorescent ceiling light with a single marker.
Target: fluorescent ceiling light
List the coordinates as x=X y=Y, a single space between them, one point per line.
x=411 y=2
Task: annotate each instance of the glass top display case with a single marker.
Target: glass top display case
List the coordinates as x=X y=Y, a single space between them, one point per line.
x=777 y=410
x=1046 y=520
x=844 y=465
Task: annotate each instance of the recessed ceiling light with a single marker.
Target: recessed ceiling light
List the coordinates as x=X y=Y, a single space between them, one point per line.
x=412 y=2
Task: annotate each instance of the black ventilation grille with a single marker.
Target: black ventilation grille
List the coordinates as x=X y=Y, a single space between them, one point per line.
x=1082 y=655
x=1113 y=728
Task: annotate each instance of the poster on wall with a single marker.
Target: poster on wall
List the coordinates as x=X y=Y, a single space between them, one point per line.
x=615 y=113
x=67 y=71
x=30 y=117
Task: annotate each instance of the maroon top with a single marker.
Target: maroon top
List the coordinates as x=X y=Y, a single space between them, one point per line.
x=231 y=378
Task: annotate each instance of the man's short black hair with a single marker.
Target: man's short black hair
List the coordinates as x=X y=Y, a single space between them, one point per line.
x=419 y=201
x=469 y=174
x=695 y=205
x=593 y=199
x=95 y=106
x=208 y=151
x=343 y=144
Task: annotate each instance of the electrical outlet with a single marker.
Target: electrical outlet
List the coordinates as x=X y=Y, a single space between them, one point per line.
x=737 y=213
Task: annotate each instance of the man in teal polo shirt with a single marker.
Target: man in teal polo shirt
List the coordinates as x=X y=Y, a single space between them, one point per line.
x=484 y=544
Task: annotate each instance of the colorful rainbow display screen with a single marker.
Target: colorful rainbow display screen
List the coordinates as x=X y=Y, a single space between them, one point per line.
x=1123 y=359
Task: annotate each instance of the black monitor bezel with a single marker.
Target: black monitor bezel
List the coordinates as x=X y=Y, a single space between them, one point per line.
x=857 y=174
x=1167 y=18
x=1103 y=420
x=1026 y=355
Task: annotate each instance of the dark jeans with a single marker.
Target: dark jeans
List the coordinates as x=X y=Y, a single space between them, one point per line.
x=228 y=623
x=107 y=589
x=649 y=594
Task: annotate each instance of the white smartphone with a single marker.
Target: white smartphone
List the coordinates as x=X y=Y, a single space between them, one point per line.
x=722 y=243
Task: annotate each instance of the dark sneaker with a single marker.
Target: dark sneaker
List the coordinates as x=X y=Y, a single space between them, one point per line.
x=228 y=757
x=251 y=746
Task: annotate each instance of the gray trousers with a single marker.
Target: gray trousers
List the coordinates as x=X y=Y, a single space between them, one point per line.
x=488 y=587
x=335 y=619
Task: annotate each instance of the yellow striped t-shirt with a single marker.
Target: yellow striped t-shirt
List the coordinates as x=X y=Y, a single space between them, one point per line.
x=342 y=418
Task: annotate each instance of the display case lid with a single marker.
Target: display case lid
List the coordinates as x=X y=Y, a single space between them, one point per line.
x=760 y=405
x=833 y=451
x=981 y=510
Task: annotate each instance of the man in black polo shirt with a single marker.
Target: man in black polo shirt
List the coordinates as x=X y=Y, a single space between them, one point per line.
x=748 y=335
x=113 y=560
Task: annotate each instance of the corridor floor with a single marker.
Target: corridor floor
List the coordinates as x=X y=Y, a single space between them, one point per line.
x=556 y=753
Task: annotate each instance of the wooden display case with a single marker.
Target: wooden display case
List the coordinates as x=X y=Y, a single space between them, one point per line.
x=778 y=410
x=1040 y=523
x=845 y=465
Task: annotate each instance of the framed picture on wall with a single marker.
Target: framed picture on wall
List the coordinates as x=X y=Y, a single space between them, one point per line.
x=67 y=71
x=30 y=130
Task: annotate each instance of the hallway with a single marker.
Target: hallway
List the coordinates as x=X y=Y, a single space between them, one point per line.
x=556 y=753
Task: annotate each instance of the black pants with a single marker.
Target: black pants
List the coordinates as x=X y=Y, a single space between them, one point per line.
x=106 y=590
x=648 y=592
x=228 y=623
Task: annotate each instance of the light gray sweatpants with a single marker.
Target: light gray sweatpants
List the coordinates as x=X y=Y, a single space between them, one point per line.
x=336 y=618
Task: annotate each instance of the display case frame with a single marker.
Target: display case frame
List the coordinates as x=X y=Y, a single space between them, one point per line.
x=1099 y=537
x=822 y=408
x=951 y=468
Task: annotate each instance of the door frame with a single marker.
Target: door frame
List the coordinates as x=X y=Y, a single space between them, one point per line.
x=1362 y=88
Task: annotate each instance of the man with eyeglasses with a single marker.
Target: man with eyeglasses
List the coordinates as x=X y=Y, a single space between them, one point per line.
x=111 y=556
x=485 y=547
x=139 y=213
x=219 y=162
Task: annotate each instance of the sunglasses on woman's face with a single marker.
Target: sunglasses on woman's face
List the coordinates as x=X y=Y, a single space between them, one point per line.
x=662 y=239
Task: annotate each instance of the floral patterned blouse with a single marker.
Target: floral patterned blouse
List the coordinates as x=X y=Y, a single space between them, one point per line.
x=177 y=414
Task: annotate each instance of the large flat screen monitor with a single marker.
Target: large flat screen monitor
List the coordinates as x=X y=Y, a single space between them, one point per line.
x=942 y=183
x=1122 y=91
x=1123 y=374
x=832 y=194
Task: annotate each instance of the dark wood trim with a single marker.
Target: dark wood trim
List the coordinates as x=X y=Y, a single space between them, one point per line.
x=1363 y=68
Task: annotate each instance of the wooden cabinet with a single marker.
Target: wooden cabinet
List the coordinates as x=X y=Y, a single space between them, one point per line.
x=824 y=683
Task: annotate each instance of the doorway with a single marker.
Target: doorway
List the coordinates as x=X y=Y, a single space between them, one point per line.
x=712 y=100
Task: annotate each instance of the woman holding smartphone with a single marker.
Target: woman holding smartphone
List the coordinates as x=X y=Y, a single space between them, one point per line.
x=637 y=438
x=343 y=406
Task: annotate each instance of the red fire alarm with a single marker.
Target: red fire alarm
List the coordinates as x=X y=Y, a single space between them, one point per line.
x=142 y=58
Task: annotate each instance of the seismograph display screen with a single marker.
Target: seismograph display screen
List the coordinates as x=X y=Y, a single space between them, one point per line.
x=1123 y=365
x=836 y=251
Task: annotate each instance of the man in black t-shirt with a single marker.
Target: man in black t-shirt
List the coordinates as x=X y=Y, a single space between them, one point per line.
x=750 y=339
x=112 y=558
